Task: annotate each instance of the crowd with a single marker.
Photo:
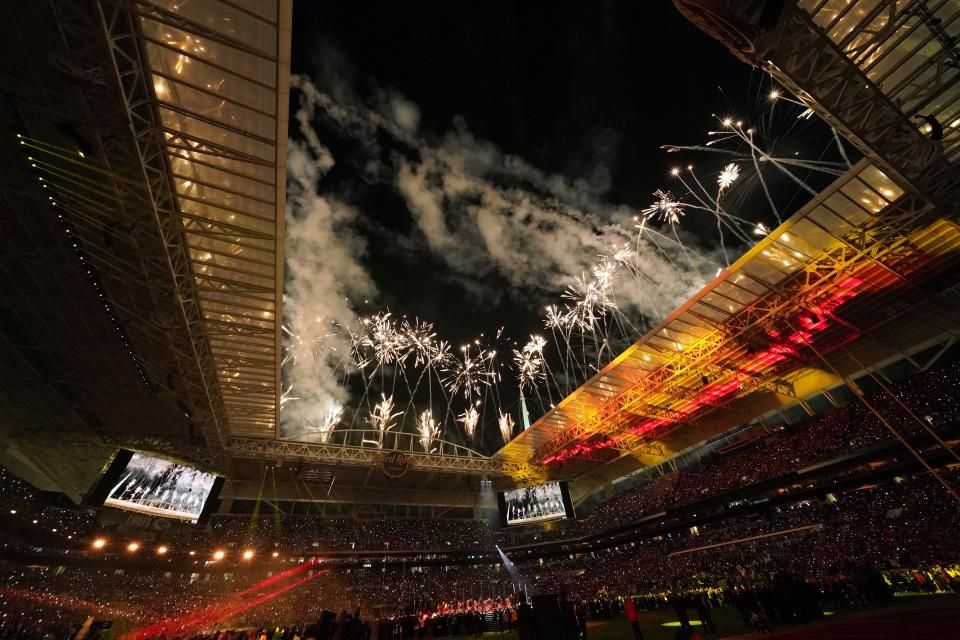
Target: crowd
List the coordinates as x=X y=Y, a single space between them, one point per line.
x=932 y=396
x=778 y=565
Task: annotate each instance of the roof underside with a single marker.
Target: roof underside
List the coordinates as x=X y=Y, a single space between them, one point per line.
x=899 y=46
x=744 y=332
x=220 y=74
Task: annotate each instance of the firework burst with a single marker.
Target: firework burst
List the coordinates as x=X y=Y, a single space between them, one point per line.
x=592 y=299
x=555 y=318
x=384 y=339
x=529 y=361
x=666 y=208
x=419 y=340
x=470 y=374
x=728 y=176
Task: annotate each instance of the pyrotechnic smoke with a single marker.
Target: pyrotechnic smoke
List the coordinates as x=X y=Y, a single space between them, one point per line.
x=324 y=270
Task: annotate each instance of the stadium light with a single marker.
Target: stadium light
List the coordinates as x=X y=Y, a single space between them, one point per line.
x=133 y=546
x=99 y=543
x=162 y=549
x=248 y=554
x=218 y=555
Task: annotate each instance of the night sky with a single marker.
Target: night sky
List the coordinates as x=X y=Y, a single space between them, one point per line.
x=582 y=90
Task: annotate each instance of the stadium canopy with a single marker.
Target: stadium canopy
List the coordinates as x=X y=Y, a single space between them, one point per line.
x=220 y=78
x=752 y=329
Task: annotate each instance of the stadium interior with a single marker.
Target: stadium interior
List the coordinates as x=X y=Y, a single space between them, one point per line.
x=779 y=454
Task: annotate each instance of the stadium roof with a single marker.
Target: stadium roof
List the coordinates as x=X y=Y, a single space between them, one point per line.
x=905 y=50
x=220 y=78
x=720 y=344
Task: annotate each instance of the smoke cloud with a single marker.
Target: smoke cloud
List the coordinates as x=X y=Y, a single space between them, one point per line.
x=479 y=210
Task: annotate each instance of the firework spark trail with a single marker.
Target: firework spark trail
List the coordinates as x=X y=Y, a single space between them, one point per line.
x=428 y=429
x=469 y=419
x=763 y=183
x=775 y=161
x=840 y=147
x=285 y=396
x=666 y=208
x=716 y=213
x=324 y=429
x=469 y=374
x=505 y=424
x=382 y=419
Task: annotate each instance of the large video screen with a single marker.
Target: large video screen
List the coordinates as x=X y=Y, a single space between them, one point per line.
x=540 y=503
x=161 y=488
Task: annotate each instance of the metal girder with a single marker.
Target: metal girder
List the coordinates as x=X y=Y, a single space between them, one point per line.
x=120 y=31
x=104 y=205
x=883 y=240
x=257 y=448
x=525 y=473
x=796 y=51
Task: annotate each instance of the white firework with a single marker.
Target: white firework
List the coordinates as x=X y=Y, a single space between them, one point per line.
x=470 y=374
x=529 y=362
x=303 y=339
x=440 y=354
x=419 y=338
x=382 y=417
x=385 y=340
x=665 y=209
x=623 y=255
x=555 y=318
x=428 y=429
x=469 y=420
x=505 y=423
x=331 y=417
x=728 y=176
x=592 y=299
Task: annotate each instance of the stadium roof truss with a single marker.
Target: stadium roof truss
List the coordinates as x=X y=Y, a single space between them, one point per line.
x=885 y=73
x=858 y=241
x=443 y=455
x=206 y=88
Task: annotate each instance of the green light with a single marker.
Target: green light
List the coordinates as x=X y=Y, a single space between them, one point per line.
x=676 y=623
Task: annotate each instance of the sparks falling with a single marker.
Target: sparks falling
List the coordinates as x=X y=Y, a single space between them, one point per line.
x=331 y=418
x=429 y=430
x=382 y=417
x=469 y=420
x=505 y=423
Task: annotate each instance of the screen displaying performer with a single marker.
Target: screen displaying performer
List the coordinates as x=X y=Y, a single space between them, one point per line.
x=161 y=488
x=534 y=504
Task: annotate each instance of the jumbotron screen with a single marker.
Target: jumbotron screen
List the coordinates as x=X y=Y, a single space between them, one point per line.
x=539 y=503
x=160 y=488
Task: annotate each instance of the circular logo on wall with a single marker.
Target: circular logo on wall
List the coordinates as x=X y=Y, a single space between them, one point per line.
x=395 y=464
